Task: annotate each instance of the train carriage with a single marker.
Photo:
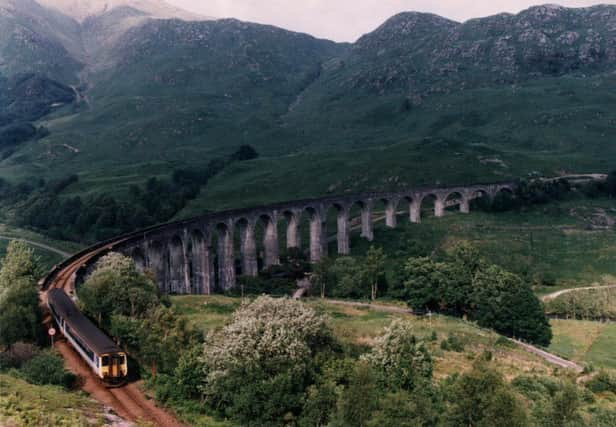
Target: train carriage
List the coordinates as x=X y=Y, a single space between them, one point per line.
x=103 y=356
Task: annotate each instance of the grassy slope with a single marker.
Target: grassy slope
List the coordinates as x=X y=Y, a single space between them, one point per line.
x=585 y=341
x=24 y=404
x=361 y=326
x=545 y=241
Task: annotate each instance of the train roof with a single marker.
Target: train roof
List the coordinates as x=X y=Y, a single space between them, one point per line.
x=80 y=324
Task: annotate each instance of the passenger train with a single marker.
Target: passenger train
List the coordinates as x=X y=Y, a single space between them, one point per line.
x=103 y=356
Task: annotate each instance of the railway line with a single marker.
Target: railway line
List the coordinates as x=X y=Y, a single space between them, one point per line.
x=127 y=401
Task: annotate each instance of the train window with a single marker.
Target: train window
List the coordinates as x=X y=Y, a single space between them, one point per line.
x=105 y=360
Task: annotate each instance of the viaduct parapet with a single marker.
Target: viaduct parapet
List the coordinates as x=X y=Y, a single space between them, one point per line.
x=205 y=254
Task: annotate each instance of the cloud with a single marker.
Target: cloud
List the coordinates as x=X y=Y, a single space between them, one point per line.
x=346 y=20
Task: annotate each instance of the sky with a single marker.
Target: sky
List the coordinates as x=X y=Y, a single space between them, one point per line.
x=347 y=20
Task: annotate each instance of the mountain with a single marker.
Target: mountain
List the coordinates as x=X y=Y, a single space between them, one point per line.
x=126 y=90
x=84 y=9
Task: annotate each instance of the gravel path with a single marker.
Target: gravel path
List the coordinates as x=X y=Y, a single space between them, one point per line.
x=556 y=294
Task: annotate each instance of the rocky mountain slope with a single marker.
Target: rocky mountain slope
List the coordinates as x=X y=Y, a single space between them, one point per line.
x=422 y=99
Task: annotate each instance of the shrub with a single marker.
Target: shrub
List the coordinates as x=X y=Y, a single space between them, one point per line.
x=602 y=382
x=48 y=368
x=17 y=355
x=399 y=359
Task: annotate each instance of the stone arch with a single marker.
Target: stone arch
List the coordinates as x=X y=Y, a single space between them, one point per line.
x=270 y=239
x=341 y=214
x=157 y=263
x=391 y=207
x=318 y=240
x=292 y=232
x=364 y=219
x=248 y=247
x=456 y=200
x=405 y=208
x=177 y=266
x=225 y=257
x=201 y=263
x=430 y=203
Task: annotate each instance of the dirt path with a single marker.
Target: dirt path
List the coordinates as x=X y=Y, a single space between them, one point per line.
x=556 y=294
x=549 y=357
x=38 y=245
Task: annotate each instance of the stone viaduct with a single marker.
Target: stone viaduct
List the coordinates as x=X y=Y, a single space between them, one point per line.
x=205 y=254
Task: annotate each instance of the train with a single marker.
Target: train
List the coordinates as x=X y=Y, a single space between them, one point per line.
x=103 y=356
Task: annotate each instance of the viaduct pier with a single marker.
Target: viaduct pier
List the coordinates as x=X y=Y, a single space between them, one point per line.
x=203 y=255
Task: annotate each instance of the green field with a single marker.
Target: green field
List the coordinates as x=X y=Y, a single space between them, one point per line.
x=585 y=341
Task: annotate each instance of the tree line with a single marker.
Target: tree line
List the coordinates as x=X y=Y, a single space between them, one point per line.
x=45 y=207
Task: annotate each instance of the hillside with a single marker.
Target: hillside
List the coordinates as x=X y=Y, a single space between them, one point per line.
x=422 y=99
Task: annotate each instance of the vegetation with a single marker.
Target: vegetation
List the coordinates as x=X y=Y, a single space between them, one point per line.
x=20 y=316
x=22 y=403
x=590 y=304
x=383 y=369
x=94 y=218
x=126 y=303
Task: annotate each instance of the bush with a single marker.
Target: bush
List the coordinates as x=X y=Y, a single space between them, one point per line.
x=48 y=368
x=17 y=355
x=602 y=382
x=452 y=343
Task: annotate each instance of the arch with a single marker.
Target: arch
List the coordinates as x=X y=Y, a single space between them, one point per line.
x=404 y=210
x=293 y=235
x=456 y=200
x=138 y=256
x=430 y=204
x=391 y=206
x=158 y=264
x=201 y=263
x=178 y=281
x=248 y=247
x=318 y=242
x=270 y=239
x=364 y=220
x=225 y=256
x=342 y=233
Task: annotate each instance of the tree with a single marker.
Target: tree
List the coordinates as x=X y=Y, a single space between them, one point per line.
x=399 y=359
x=425 y=281
x=481 y=398
x=359 y=400
x=257 y=367
x=18 y=263
x=349 y=280
x=20 y=315
x=117 y=287
x=502 y=301
x=320 y=275
x=421 y=408
x=373 y=268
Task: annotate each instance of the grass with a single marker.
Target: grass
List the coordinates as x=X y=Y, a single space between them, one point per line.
x=556 y=244
x=360 y=326
x=24 y=404
x=585 y=342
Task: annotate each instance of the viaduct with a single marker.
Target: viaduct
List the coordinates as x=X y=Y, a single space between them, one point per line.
x=205 y=254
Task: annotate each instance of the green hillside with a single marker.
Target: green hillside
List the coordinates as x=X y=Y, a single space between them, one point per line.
x=121 y=98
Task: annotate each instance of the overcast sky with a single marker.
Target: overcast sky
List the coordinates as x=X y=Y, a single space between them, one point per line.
x=346 y=20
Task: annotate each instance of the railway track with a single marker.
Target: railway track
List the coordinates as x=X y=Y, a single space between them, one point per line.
x=127 y=401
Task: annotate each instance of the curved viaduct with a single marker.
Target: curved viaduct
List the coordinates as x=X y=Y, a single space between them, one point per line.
x=198 y=255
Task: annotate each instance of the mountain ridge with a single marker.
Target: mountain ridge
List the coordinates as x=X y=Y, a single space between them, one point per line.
x=492 y=98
